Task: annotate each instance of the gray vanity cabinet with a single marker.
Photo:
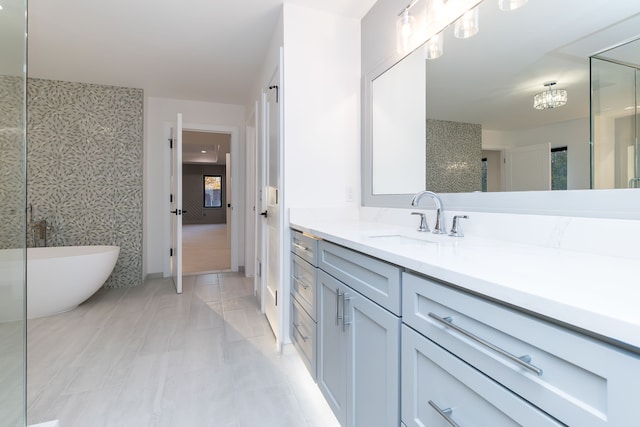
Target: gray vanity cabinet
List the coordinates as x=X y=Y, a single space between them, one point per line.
x=332 y=346
x=303 y=329
x=358 y=348
x=437 y=387
x=525 y=362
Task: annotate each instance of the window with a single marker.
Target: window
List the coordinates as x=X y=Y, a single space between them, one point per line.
x=484 y=174
x=213 y=191
x=559 y=168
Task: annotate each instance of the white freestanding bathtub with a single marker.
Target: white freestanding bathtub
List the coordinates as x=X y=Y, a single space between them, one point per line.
x=60 y=278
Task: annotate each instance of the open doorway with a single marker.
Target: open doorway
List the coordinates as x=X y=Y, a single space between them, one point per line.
x=206 y=243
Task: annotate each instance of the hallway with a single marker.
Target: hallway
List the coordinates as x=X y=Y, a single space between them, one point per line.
x=146 y=356
x=205 y=248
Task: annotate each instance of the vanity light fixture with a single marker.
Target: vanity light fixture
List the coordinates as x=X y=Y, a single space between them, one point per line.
x=203 y=151
x=405 y=28
x=434 y=9
x=551 y=98
x=511 y=4
x=468 y=24
x=433 y=48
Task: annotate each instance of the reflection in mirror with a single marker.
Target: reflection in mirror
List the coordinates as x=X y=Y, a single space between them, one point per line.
x=399 y=108
x=615 y=75
x=481 y=130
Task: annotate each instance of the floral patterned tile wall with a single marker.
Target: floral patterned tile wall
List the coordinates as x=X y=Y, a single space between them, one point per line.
x=85 y=157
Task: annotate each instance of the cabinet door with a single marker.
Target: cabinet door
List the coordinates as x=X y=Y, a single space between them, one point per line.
x=332 y=346
x=437 y=386
x=373 y=334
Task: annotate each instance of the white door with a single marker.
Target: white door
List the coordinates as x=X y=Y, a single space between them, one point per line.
x=273 y=295
x=176 y=204
x=229 y=197
x=528 y=168
x=261 y=208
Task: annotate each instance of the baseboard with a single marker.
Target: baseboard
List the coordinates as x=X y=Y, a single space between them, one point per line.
x=154 y=276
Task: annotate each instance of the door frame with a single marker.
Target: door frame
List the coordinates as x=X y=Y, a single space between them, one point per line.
x=175 y=204
x=234 y=131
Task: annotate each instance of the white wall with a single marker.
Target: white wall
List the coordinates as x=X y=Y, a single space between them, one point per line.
x=322 y=108
x=573 y=133
x=159 y=113
x=321 y=100
x=398 y=97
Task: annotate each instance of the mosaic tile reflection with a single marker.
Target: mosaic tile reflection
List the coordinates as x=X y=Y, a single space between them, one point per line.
x=454 y=156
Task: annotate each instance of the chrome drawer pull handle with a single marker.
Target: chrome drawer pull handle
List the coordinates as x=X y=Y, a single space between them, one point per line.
x=344 y=316
x=338 y=295
x=304 y=338
x=444 y=413
x=299 y=246
x=522 y=360
x=300 y=282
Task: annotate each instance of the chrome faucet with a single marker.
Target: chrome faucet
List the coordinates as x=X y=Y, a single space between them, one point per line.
x=38 y=229
x=439 y=228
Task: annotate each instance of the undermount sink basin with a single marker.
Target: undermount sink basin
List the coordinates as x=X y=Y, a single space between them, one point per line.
x=401 y=240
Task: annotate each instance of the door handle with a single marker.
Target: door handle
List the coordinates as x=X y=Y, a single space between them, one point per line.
x=264 y=214
x=177 y=212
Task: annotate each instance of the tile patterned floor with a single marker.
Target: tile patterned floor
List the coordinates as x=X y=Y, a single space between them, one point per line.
x=147 y=357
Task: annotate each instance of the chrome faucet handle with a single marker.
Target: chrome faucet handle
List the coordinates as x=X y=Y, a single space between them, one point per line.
x=423 y=222
x=440 y=226
x=455 y=228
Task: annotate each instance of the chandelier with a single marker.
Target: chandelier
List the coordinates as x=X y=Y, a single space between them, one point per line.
x=551 y=98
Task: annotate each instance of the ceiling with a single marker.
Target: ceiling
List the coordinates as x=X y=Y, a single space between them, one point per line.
x=205 y=147
x=205 y=50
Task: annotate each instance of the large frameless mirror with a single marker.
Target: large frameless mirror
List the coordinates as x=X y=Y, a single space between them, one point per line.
x=482 y=115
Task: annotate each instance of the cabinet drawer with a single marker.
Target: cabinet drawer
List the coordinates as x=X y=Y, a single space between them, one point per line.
x=303 y=336
x=432 y=377
x=305 y=246
x=375 y=279
x=581 y=382
x=303 y=284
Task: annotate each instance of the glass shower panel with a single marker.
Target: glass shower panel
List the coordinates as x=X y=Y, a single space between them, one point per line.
x=13 y=213
x=634 y=181
x=615 y=103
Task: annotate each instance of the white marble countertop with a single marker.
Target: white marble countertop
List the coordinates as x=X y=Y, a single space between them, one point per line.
x=593 y=292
